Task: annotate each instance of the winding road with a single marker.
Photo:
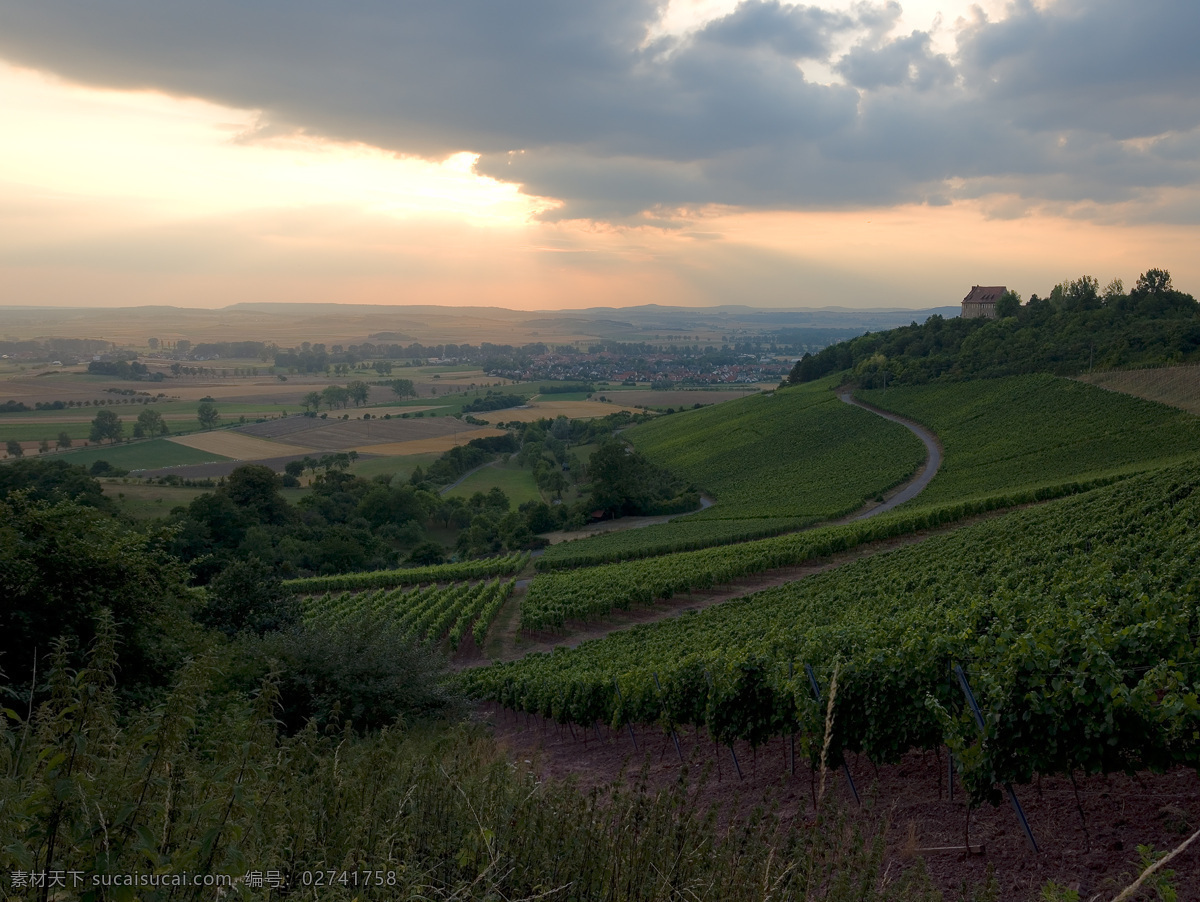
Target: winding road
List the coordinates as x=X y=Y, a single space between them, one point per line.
x=924 y=475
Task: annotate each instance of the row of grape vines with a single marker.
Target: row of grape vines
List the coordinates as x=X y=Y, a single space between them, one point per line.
x=1077 y=623
x=586 y=594
x=684 y=534
x=431 y=614
x=506 y=565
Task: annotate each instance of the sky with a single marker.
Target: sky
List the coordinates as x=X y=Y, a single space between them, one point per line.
x=537 y=154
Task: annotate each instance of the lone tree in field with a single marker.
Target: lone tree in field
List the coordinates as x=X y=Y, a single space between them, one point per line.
x=149 y=423
x=359 y=391
x=312 y=401
x=64 y=440
x=107 y=425
x=404 y=388
x=14 y=448
x=207 y=414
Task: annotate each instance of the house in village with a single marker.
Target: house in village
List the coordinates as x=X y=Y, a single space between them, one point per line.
x=981 y=302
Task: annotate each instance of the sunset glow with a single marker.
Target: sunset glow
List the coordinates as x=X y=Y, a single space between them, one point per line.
x=156 y=195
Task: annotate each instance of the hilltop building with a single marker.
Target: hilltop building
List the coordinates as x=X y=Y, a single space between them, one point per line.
x=982 y=301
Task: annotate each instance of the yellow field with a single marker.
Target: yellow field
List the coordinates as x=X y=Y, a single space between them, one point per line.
x=537 y=410
x=238 y=446
x=429 y=445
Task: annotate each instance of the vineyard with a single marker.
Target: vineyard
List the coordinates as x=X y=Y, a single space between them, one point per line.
x=431 y=614
x=591 y=592
x=1028 y=432
x=1076 y=622
x=773 y=462
x=683 y=534
x=506 y=565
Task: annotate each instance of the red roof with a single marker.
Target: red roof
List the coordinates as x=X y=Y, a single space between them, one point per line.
x=984 y=294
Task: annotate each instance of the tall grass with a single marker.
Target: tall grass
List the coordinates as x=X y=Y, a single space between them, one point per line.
x=205 y=785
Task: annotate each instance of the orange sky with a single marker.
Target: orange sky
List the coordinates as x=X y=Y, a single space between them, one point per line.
x=114 y=197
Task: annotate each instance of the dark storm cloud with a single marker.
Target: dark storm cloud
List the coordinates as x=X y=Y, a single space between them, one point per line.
x=573 y=100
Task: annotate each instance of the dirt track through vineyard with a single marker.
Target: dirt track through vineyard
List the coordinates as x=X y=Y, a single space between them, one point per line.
x=509 y=643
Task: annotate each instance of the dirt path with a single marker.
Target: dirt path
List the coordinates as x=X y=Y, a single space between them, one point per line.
x=923 y=476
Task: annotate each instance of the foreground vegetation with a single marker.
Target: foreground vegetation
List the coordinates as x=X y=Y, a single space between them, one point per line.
x=1075 y=621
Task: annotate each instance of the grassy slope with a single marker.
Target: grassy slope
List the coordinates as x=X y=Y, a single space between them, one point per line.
x=795 y=453
x=516 y=482
x=1021 y=432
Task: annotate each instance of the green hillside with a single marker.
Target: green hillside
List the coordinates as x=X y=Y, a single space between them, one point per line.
x=773 y=463
x=1029 y=432
x=1006 y=442
x=1078 y=327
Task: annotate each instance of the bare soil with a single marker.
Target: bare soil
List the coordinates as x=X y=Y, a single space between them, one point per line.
x=1120 y=812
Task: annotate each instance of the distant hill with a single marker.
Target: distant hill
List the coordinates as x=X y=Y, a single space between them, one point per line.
x=1077 y=328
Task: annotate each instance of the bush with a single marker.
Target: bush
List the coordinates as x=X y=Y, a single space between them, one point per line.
x=364 y=670
x=247 y=596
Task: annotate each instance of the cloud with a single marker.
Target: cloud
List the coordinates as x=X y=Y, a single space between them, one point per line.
x=1076 y=101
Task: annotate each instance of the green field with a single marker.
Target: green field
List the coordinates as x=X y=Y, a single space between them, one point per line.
x=1026 y=432
x=1075 y=619
x=141 y=455
x=400 y=468
x=79 y=432
x=516 y=482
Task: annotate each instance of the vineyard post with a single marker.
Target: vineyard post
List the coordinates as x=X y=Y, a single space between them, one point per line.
x=563 y=701
x=1012 y=796
x=792 y=673
x=816 y=690
x=949 y=753
x=674 y=738
x=628 y=724
x=737 y=766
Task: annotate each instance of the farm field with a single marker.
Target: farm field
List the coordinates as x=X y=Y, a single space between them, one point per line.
x=505 y=565
x=143 y=455
x=237 y=445
x=432 y=614
x=436 y=444
x=540 y=408
x=680 y=399
x=1071 y=620
x=1178 y=386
